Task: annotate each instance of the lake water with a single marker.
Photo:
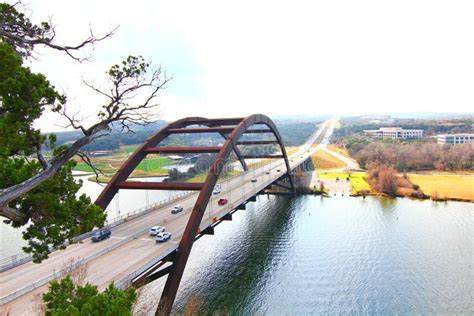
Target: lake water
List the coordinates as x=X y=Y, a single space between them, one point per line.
x=126 y=201
x=311 y=255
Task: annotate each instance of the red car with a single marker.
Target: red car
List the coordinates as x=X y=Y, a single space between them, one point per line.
x=222 y=201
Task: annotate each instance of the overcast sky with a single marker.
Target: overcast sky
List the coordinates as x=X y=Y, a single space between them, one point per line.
x=275 y=57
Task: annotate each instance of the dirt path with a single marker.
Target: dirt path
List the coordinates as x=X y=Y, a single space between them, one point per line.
x=351 y=164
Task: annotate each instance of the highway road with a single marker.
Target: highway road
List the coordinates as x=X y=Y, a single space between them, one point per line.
x=130 y=250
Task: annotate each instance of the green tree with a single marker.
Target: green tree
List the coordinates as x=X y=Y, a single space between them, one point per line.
x=66 y=298
x=40 y=191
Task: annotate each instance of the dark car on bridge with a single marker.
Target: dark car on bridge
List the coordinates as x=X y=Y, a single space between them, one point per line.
x=101 y=234
x=177 y=209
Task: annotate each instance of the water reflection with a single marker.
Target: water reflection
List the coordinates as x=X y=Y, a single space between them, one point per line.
x=254 y=258
x=307 y=255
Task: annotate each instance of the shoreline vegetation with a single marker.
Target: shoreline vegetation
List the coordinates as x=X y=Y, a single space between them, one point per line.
x=427 y=184
x=454 y=190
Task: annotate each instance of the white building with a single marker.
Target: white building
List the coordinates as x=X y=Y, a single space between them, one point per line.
x=395 y=133
x=455 y=139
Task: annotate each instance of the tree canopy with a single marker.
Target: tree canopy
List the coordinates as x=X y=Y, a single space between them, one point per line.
x=37 y=189
x=66 y=298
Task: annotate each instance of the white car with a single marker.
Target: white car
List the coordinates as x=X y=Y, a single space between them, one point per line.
x=216 y=190
x=177 y=209
x=156 y=230
x=161 y=237
x=218 y=186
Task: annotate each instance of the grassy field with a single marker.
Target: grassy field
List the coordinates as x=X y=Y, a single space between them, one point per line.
x=152 y=166
x=128 y=149
x=81 y=166
x=202 y=177
x=445 y=184
x=324 y=160
x=358 y=182
x=339 y=150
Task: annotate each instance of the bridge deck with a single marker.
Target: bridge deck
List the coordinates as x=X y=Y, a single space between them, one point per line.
x=130 y=250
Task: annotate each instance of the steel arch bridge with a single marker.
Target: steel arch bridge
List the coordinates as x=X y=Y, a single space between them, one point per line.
x=231 y=129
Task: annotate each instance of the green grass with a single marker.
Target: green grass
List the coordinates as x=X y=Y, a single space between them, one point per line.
x=202 y=176
x=154 y=164
x=81 y=166
x=128 y=149
x=198 y=178
x=358 y=182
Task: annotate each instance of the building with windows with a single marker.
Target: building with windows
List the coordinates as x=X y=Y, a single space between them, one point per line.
x=395 y=133
x=455 y=139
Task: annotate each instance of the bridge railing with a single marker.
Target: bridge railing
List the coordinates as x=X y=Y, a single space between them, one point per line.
x=64 y=271
x=19 y=259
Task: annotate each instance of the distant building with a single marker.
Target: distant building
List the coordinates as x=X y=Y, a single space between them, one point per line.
x=455 y=139
x=395 y=133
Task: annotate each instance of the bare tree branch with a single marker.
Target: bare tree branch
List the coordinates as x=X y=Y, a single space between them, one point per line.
x=41 y=159
x=20 y=33
x=13 y=214
x=128 y=81
x=86 y=159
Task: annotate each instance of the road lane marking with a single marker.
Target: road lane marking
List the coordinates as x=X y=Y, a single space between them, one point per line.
x=148 y=239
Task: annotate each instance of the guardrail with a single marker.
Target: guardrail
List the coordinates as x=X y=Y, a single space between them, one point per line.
x=19 y=259
x=60 y=273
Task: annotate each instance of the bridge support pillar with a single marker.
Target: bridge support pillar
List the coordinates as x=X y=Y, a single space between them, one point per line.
x=242 y=206
x=227 y=217
x=208 y=231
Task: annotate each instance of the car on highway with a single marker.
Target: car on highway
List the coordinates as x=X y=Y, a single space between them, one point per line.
x=267 y=172
x=253 y=180
x=222 y=201
x=176 y=209
x=162 y=237
x=101 y=234
x=216 y=190
x=156 y=230
x=218 y=185
x=278 y=170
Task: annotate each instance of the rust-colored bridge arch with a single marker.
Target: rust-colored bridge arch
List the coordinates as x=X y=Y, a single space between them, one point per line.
x=231 y=129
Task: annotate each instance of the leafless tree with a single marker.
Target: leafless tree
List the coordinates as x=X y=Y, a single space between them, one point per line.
x=75 y=269
x=17 y=30
x=131 y=97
